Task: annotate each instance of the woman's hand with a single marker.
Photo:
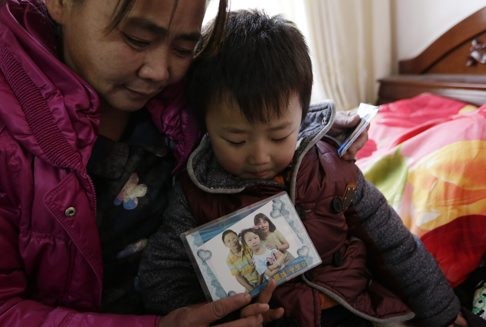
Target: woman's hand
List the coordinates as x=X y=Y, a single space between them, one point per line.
x=264 y=297
x=202 y=315
x=251 y=314
x=343 y=124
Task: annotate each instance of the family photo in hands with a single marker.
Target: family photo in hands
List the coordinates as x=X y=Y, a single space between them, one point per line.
x=257 y=252
x=267 y=243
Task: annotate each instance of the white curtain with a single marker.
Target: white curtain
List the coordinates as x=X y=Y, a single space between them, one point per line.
x=350 y=42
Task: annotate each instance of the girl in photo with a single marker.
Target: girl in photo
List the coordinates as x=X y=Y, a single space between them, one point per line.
x=267 y=261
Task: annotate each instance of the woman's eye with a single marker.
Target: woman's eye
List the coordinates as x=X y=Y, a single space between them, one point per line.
x=135 y=42
x=184 y=52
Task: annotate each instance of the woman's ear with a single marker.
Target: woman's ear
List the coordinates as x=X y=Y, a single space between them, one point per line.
x=57 y=9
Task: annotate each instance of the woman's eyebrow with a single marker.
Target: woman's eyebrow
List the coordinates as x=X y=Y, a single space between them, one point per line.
x=161 y=31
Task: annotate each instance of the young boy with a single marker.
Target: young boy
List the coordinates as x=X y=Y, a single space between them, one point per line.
x=251 y=96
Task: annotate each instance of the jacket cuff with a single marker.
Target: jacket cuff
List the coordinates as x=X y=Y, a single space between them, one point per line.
x=444 y=318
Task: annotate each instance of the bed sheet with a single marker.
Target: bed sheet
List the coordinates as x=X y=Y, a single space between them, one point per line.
x=427 y=155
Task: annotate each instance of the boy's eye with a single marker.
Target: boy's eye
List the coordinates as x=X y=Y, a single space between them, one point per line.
x=279 y=139
x=235 y=143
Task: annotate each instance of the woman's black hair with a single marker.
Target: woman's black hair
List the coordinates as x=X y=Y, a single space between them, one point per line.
x=208 y=44
x=261 y=216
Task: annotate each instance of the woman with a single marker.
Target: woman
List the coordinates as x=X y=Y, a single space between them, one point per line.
x=273 y=237
x=74 y=78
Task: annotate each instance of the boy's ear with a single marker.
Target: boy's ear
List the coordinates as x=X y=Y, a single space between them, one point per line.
x=57 y=9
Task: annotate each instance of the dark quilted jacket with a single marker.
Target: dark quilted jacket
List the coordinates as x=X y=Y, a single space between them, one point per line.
x=359 y=237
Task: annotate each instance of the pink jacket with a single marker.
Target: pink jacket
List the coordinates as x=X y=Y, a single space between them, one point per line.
x=50 y=262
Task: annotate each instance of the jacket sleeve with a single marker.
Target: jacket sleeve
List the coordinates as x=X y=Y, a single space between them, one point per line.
x=16 y=309
x=402 y=258
x=167 y=278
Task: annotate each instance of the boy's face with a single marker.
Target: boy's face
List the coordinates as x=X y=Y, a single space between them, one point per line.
x=253 y=151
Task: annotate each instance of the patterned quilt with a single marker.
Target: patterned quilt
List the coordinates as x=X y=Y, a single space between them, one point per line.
x=427 y=154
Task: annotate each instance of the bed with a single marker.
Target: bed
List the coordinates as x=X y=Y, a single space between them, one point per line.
x=454 y=65
x=427 y=147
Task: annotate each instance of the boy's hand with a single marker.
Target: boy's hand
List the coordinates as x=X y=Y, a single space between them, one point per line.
x=459 y=322
x=344 y=123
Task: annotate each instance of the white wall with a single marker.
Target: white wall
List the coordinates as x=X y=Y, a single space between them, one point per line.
x=420 y=22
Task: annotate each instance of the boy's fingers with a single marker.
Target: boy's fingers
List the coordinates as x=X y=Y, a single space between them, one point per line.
x=344 y=122
x=356 y=146
x=347 y=120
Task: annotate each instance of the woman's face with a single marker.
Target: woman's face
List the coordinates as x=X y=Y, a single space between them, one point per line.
x=150 y=49
x=263 y=225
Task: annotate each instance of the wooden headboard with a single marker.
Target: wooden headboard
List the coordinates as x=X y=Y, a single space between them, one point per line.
x=454 y=65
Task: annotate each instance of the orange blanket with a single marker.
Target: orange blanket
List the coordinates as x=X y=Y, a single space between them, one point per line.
x=428 y=156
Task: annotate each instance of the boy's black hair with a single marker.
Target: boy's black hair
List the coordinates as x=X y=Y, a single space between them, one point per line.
x=260 y=63
x=226 y=232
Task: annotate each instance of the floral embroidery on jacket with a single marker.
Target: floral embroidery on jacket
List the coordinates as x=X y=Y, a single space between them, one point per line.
x=130 y=193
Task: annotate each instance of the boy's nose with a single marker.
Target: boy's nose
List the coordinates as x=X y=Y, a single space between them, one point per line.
x=259 y=154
